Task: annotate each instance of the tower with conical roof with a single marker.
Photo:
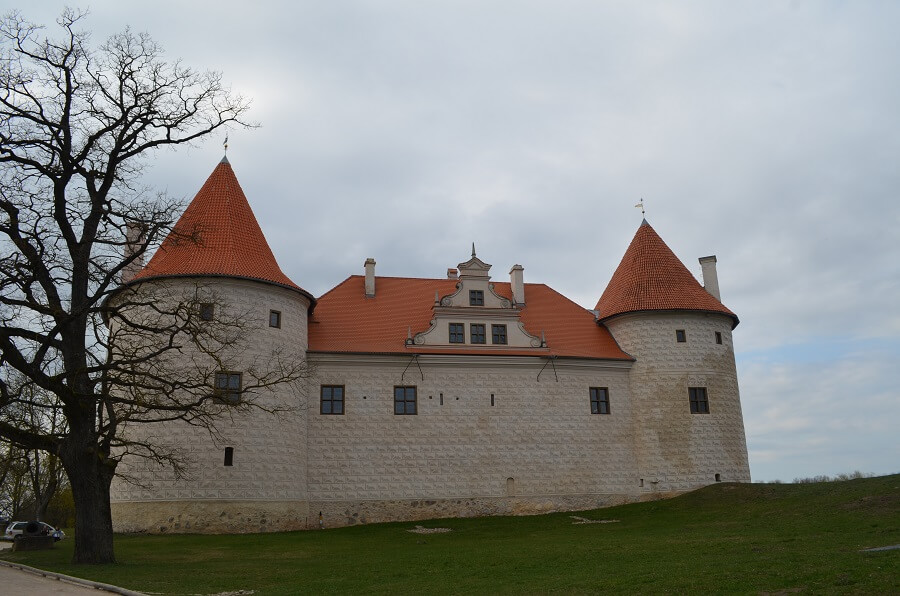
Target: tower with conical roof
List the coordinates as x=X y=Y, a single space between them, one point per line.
x=688 y=425
x=218 y=271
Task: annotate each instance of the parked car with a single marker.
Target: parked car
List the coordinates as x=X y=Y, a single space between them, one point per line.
x=17 y=528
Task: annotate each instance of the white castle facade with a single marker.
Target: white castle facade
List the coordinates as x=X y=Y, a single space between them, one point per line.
x=457 y=396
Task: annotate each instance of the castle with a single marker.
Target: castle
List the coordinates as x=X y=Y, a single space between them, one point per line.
x=456 y=396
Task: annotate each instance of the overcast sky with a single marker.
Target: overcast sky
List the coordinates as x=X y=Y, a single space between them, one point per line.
x=766 y=133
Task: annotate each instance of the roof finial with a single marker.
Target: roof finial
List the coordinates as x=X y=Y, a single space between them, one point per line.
x=473 y=249
x=641 y=205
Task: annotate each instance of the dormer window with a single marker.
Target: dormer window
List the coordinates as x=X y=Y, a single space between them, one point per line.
x=457 y=333
x=476 y=298
x=477 y=333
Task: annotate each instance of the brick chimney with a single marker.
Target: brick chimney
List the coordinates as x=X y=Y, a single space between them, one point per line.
x=134 y=241
x=517 y=284
x=370 y=277
x=710 y=277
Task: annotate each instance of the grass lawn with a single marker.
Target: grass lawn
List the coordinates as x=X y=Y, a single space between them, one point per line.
x=734 y=538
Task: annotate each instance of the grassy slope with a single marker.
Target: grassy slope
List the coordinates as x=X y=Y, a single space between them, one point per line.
x=724 y=538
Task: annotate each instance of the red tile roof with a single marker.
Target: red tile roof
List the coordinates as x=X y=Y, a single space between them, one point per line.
x=346 y=321
x=651 y=277
x=218 y=235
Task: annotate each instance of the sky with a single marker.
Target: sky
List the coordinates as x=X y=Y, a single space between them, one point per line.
x=766 y=133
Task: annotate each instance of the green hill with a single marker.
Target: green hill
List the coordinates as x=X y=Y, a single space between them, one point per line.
x=726 y=538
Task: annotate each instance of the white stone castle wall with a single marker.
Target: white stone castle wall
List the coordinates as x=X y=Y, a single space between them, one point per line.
x=269 y=448
x=456 y=458
x=677 y=450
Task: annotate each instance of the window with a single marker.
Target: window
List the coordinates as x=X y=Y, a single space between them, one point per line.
x=476 y=297
x=498 y=334
x=699 y=401
x=275 y=319
x=404 y=400
x=680 y=336
x=718 y=337
x=599 y=400
x=332 y=401
x=206 y=311
x=477 y=332
x=228 y=387
x=229 y=456
x=457 y=333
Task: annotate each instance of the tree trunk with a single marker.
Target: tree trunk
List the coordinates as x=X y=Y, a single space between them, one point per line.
x=90 y=474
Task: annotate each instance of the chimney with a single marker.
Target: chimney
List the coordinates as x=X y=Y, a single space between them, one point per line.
x=370 y=277
x=452 y=273
x=517 y=284
x=710 y=278
x=134 y=241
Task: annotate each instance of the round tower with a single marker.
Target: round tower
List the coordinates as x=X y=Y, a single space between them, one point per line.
x=688 y=425
x=242 y=329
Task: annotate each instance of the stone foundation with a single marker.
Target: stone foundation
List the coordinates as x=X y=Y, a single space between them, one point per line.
x=241 y=517
x=210 y=517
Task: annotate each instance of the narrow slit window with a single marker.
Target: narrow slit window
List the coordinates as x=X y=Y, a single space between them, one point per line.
x=229 y=456
x=680 y=336
x=718 y=337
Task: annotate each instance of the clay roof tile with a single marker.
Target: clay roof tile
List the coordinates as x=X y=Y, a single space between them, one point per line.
x=650 y=277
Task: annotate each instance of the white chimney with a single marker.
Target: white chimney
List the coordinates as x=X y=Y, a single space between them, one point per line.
x=710 y=278
x=517 y=284
x=370 y=277
x=134 y=241
x=452 y=273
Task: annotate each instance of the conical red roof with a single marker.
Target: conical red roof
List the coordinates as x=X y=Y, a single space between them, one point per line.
x=651 y=277
x=217 y=235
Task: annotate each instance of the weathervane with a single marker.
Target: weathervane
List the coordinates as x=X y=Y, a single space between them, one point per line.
x=226 y=143
x=641 y=205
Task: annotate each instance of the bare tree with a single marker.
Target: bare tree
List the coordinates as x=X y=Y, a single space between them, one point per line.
x=76 y=124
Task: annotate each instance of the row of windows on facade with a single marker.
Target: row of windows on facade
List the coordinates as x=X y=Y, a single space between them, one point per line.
x=405 y=400
x=477 y=333
x=207 y=312
x=681 y=336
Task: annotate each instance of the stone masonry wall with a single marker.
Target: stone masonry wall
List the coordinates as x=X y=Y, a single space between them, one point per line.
x=538 y=448
x=269 y=457
x=677 y=450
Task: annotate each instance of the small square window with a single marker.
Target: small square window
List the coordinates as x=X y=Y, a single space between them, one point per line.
x=476 y=297
x=599 y=400
x=498 y=334
x=275 y=319
x=228 y=387
x=718 y=337
x=332 y=401
x=206 y=311
x=457 y=333
x=698 y=399
x=476 y=330
x=680 y=336
x=405 y=401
